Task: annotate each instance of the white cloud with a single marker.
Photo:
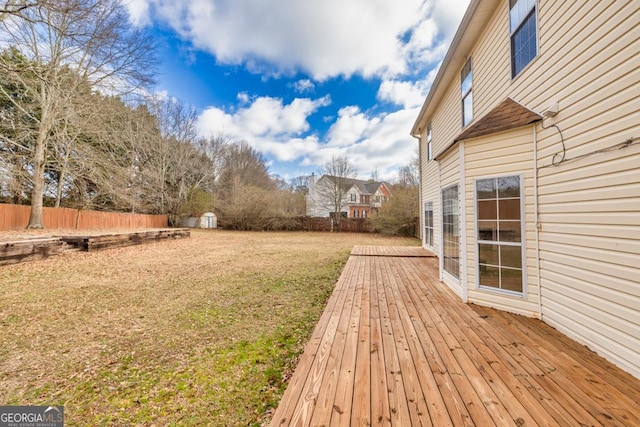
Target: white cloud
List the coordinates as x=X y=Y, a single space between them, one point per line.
x=403 y=93
x=243 y=97
x=138 y=11
x=393 y=41
x=304 y=86
x=267 y=124
x=379 y=143
x=321 y=38
x=280 y=131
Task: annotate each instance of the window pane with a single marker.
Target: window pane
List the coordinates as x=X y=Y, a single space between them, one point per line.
x=498 y=211
x=524 y=44
x=511 y=256
x=467 y=109
x=489 y=254
x=510 y=209
x=450 y=238
x=489 y=276
x=487 y=209
x=511 y=280
x=508 y=186
x=518 y=10
x=486 y=188
x=466 y=84
x=510 y=231
x=488 y=230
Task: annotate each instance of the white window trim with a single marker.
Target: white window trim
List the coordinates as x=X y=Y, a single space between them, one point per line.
x=429 y=142
x=522 y=244
x=433 y=225
x=469 y=92
x=453 y=278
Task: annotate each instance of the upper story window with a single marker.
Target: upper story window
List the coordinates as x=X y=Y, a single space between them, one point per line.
x=352 y=198
x=466 y=78
x=524 y=33
x=429 y=146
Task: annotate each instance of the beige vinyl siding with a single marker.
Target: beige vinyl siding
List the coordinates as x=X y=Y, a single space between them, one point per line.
x=450 y=175
x=589 y=205
x=492 y=64
x=506 y=153
x=447 y=119
x=589 y=250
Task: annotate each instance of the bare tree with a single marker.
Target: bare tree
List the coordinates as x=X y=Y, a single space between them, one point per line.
x=10 y=8
x=175 y=118
x=399 y=215
x=409 y=174
x=75 y=42
x=331 y=189
x=214 y=147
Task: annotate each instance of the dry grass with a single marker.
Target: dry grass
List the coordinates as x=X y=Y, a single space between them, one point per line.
x=196 y=331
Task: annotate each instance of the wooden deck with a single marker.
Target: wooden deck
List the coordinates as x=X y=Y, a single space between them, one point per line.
x=395 y=347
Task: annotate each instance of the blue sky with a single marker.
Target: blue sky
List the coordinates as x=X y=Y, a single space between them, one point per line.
x=302 y=81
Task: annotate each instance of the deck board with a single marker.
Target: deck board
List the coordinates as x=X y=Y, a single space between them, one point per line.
x=395 y=346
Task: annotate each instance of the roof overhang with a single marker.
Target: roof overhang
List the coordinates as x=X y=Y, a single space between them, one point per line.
x=505 y=116
x=473 y=23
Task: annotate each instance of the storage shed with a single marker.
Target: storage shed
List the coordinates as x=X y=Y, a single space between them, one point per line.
x=206 y=220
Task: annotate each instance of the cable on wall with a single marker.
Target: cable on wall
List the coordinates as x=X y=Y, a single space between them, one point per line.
x=562 y=153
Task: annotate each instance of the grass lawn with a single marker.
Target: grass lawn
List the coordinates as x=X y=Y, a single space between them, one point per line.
x=200 y=331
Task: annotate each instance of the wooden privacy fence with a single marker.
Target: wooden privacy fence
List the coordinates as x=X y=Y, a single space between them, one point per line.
x=14 y=217
x=349 y=225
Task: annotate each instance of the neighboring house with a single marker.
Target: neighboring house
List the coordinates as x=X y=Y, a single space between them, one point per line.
x=354 y=198
x=530 y=166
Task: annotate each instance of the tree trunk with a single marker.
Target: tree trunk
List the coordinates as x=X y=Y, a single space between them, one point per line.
x=59 y=185
x=37 y=194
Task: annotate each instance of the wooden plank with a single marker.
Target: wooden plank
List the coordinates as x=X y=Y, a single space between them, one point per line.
x=311 y=362
x=399 y=410
x=117 y=240
x=437 y=409
x=361 y=412
x=328 y=386
x=410 y=353
x=342 y=405
x=507 y=375
x=391 y=251
x=29 y=250
x=415 y=399
x=380 y=412
x=575 y=386
x=464 y=406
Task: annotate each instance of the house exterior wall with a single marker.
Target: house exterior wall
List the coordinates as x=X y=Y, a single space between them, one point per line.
x=504 y=154
x=589 y=203
x=317 y=203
